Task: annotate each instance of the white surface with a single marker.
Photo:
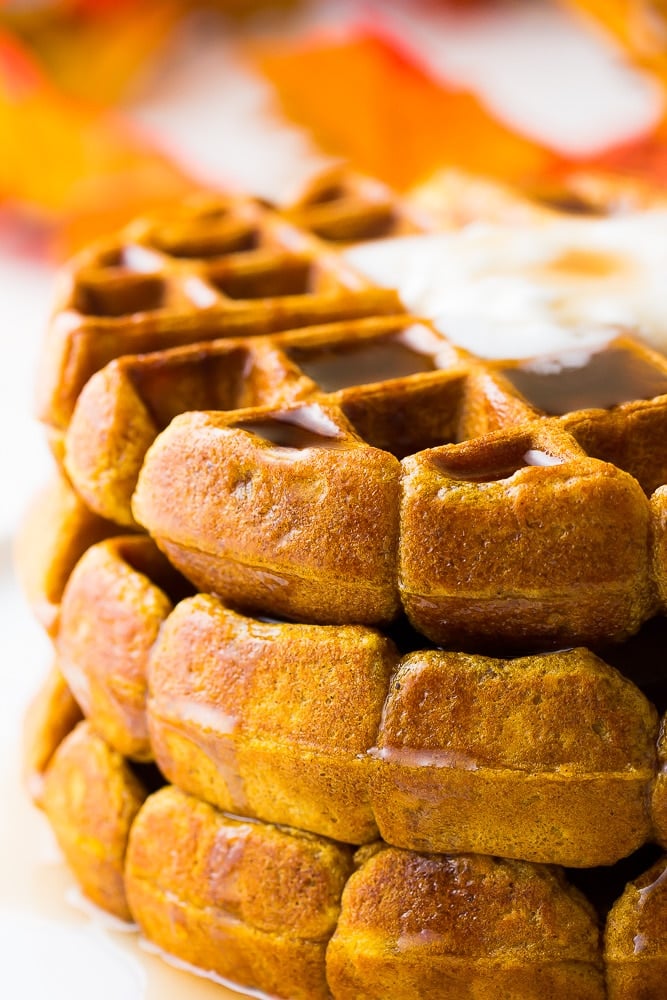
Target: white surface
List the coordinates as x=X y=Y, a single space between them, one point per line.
x=60 y=972
x=25 y=299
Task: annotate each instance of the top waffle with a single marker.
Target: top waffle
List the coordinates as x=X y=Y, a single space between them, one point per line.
x=214 y=267
x=364 y=463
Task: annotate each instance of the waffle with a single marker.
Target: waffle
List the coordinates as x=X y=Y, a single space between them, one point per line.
x=598 y=591
x=234 y=265
x=636 y=937
x=56 y=531
x=106 y=666
x=365 y=627
x=52 y=715
x=92 y=798
x=345 y=208
x=229 y=708
x=220 y=524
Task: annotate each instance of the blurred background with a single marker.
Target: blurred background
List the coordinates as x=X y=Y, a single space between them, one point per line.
x=109 y=107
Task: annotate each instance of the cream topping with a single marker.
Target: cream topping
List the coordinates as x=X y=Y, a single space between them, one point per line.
x=505 y=291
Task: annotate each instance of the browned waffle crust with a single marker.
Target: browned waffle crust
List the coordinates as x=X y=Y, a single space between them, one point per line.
x=379 y=613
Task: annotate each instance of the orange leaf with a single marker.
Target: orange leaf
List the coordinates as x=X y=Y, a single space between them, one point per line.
x=364 y=100
x=65 y=161
x=123 y=38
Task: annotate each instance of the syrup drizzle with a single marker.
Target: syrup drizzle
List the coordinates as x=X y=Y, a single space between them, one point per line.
x=500 y=464
x=212 y=732
x=409 y=757
x=305 y=427
x=600 y=380
x=353 y=364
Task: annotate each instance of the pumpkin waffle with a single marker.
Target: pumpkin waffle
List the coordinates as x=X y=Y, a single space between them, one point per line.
x=548 y=757
x=451 y=198
x=297 y=915
x=57 y=529
x=214 y=267
x=553 y=581
x=355 y=398
x=342 y=207
x=635 y=946
x=383 y=616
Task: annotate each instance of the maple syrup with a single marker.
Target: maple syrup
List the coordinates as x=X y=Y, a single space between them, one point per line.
x=305 y=427
x=606 y=379
x=495 y=464
x=366 y=363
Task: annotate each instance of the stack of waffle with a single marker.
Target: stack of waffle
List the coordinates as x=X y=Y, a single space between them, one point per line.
x=358 y=636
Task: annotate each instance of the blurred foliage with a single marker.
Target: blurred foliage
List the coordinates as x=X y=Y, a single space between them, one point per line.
x=368 y=100
x=78 y=169
x=72 y=166
x=95 y=50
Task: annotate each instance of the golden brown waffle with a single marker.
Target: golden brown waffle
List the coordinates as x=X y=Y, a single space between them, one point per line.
x=282 y=911
x=266 y=914
x=57 y=529
x=636 y=937
x=52 y=715
x=233 y=713
x=215 y=267
x=126 y=581
x=485 y=940
x=350 y=400
x=237 y=517
x=92 y=797
x=342 y=207
x=392 y=541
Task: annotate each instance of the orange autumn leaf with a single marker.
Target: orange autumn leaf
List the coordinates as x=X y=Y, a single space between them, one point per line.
x=122 y=37
x=66 y=162
x=364 y=100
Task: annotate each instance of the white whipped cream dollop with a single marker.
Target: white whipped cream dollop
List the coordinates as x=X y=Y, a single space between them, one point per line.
x=508 y=291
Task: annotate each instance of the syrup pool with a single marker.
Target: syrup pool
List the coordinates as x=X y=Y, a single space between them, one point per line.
x=303 y=427
x=604 y=379
x=371 y=361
